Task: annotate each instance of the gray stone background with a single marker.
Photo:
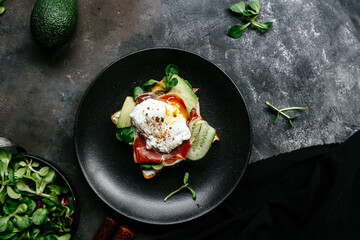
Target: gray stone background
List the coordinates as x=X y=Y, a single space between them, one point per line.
x=310 y=57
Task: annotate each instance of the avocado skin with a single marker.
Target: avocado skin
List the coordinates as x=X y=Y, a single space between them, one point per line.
x=53 y=22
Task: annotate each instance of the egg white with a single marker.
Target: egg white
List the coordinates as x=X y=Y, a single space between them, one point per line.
x=162 y=125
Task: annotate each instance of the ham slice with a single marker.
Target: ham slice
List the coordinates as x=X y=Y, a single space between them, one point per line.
x=142 y=155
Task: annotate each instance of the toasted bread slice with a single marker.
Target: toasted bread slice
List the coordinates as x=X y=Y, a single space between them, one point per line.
x=115 y=117
x=150 y=173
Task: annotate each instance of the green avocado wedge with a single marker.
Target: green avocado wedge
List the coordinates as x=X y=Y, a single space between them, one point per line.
x=186 y=93
x=53 y=22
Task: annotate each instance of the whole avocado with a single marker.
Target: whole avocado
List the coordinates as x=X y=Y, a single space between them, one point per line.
x=53 y=22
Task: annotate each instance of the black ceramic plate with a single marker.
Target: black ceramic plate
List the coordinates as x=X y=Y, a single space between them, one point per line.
x=108 y=163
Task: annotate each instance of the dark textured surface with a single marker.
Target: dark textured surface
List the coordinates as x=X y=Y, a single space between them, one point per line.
x=310 y=57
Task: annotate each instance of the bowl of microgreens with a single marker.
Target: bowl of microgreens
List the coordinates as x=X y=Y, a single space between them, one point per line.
x=36 y=200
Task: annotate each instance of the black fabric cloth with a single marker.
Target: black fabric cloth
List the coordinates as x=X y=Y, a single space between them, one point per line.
x=313 y=193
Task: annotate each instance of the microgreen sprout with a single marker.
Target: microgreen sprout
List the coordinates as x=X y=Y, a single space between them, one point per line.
x=249 y=15
x=185 y=185
x=281 y=111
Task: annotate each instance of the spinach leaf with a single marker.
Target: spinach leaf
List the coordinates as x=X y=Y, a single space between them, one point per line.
x=125 y=134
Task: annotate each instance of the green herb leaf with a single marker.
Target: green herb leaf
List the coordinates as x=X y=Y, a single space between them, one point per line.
x=8 y=236
x=171 y=70
x=125 y=134
x=11 y=175
x=236 y=31
x=22 y=208
x=148 y=85
x=4 y=223
x=20 y=173
x=186 y=178
x=65 y=237
x=22 y=222
x=145 y=166
x=238 y=7
x=268 y=24
x=3 y=170
x=281 y=111
x=30 y=204
x=255 y=6
x=3 y=194
x=5 y=157
x=11 y=193
x=173 y=82
x=137 y=92
x=6 y=210
x=44 y=171
x=39 y=216
x=248 y=15
x=22 y=186
x=192 y=192
x=2 y=8
x=52 y=196
x=58 y=189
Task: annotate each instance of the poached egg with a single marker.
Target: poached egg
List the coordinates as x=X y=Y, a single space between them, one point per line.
x=163 y=125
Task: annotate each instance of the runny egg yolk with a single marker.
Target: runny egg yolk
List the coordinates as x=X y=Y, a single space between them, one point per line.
x=162 y=122
x=176 y=102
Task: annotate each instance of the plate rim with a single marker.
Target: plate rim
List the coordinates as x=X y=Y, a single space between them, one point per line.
x=89 y=87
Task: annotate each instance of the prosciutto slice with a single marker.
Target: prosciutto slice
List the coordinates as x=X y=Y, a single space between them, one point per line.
x=142 y=155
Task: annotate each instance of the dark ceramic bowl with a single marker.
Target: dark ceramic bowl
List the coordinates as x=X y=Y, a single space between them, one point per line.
x=17 y=150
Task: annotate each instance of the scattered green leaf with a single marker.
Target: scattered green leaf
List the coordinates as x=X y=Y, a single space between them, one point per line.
x=247 y=14
x=281 y=111
x=254 y=5
x=185 y=185
x=2 y=8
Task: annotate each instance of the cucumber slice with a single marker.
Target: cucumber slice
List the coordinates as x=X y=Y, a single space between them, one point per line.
x=124 y=119
x=157 y=166
x=204 y=135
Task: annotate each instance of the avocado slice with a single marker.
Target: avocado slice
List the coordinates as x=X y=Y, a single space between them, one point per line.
x=127 y=108
x=185 y=92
